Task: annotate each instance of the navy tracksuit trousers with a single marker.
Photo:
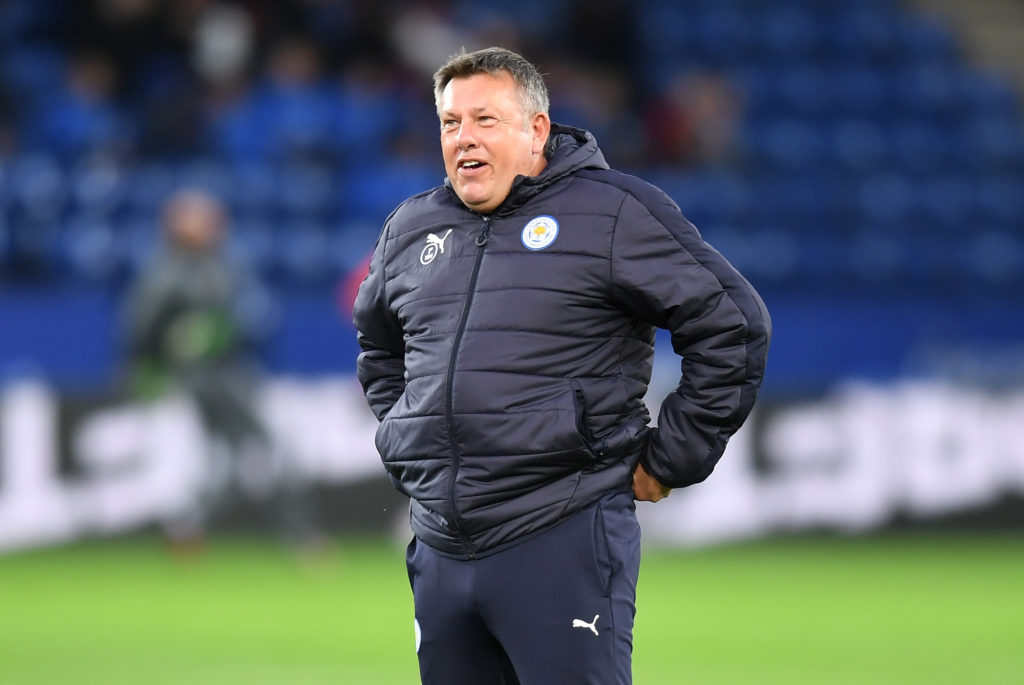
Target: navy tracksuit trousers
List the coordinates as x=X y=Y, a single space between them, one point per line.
x=555 y=609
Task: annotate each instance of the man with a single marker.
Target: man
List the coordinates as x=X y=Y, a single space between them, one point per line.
x=193 y=319
x=507 y=326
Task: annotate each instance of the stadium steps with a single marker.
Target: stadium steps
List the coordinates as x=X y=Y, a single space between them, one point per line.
x=992 y=32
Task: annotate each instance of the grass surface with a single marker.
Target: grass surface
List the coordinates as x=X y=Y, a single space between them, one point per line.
x=874 y=610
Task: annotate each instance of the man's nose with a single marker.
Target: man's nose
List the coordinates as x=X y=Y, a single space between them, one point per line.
x=466 y=137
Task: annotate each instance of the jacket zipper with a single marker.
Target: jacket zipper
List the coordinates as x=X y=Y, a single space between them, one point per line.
x=481 y=242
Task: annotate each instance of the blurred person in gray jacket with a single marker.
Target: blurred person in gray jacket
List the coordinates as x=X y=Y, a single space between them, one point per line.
x=193 y=321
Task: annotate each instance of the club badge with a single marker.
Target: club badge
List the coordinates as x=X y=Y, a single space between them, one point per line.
x=540 y=232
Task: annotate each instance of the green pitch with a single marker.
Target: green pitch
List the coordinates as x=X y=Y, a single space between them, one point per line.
x=895 y=609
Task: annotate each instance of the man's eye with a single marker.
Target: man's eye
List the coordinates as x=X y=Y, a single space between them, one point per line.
x=449 y=124
x=487 y=120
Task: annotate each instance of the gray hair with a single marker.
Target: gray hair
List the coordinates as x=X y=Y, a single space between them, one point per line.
x=533 y=94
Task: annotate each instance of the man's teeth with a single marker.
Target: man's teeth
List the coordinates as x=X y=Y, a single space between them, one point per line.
x=471 y=165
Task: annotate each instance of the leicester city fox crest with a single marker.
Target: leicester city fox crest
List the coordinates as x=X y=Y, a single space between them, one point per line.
x=540 y=232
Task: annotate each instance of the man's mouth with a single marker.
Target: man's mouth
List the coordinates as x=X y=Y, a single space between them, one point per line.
x=471 y=164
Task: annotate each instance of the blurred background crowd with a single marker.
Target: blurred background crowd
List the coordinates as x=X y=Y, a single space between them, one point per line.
x=846 y=155
x=853 y=158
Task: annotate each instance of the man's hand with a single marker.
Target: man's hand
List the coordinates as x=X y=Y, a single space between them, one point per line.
x=646 y=488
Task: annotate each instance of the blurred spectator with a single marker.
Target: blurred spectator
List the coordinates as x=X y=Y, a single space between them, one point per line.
x=222 y=44
x=139 y=36
x=289 y=115
x=597 y=99
x=694 y=121
x=425 y=35
x=193 y=320
x=366 y=118
x=214 y=78
x=84 y=116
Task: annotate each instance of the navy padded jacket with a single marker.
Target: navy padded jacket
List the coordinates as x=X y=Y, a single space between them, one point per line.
x=509 y=380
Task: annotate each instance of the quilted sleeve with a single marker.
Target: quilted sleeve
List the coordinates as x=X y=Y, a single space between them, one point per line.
x=664 y=273
x=381 y=363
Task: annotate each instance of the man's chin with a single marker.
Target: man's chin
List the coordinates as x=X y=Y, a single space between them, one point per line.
x=476 y=202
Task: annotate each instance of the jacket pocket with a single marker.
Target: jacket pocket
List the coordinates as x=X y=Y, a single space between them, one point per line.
x=612 y=444
x=621 y=438
x=579 y=401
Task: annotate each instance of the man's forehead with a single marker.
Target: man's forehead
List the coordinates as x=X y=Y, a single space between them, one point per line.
x=478 y=91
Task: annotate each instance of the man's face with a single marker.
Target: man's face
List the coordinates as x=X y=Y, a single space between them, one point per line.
x=485 y=141
x=195 y=223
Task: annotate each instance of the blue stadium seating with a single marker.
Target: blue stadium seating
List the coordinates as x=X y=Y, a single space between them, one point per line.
x=853 y=111
x=873 y=157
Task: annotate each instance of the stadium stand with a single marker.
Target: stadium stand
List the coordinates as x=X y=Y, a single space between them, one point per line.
x=838 y=151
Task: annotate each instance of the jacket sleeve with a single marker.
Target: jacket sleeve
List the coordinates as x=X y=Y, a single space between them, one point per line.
x=664 y=273
x=144 y=311
x=381 y=363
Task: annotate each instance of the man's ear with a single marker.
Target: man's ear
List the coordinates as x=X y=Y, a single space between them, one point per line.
x=541 y=128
